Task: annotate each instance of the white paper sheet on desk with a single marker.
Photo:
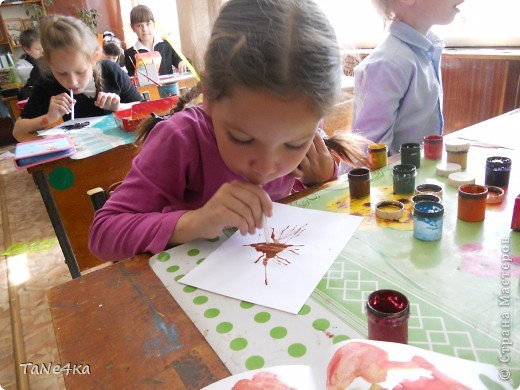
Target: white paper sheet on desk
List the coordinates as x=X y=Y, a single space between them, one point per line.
x=61 y=130
x=281 y=275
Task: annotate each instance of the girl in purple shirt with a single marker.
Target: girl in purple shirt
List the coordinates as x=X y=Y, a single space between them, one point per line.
x=272 y=70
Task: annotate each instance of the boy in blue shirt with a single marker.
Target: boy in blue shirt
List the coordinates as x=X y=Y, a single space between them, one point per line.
x=398 y=87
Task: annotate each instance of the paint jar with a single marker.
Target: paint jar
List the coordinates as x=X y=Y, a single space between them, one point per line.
x=166 y=90
x=433 y=147
x=359 y=182
x=404 y=178
x=434 y=189
x=498 y=170
x=425 y=197
x=377 y=156
x=388 y=312
x=472 y=202
x=457 y=152
x=427 y=223
x=411 y=154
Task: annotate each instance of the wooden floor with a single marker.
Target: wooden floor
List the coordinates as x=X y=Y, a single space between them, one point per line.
x=35 y=265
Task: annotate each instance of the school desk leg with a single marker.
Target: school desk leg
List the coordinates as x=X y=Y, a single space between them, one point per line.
x=70 y=259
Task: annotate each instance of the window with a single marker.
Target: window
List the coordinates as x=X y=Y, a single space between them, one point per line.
x=480 y=23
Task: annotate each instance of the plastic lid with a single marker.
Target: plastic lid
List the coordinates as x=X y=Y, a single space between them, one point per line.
x=456 y=145
x=444 y=169
x=457 y=179
x=390 y=209
x=495 y=195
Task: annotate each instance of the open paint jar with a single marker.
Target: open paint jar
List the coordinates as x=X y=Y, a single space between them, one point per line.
x=359 y=182
x=377 y=156
x=404 y=178
x=166 y=90
x=433 y=147
x=388 y=312
x=428 y=217
x=472 y=202
x=498 y=170
x=411 y=154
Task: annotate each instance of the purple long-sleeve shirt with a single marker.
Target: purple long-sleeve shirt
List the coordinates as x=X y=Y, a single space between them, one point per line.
x=179 y=168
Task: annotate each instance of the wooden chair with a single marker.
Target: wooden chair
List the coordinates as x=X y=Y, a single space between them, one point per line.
x=98 y=196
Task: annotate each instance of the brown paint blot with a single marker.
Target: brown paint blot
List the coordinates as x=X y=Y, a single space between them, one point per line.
x=271 y=251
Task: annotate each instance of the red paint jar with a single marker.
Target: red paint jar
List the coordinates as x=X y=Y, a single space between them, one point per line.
x=433 y=147
x=472 y=202
x=388 y=312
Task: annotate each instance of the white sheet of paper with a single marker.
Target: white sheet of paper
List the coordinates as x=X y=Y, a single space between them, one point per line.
x=60 y=130
x=315 y=237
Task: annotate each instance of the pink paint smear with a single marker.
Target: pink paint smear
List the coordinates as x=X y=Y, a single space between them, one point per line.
x=360 y=360
x=487 y=262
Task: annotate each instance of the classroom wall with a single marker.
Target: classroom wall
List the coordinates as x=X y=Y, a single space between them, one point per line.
x=109 y=13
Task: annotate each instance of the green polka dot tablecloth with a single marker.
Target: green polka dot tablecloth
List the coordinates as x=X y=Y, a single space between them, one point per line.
x=247 y=336
x=463 y=290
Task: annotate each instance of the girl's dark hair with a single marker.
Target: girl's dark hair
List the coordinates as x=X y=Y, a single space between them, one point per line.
x=69 y=33
x=285 y=47
x=141 y=14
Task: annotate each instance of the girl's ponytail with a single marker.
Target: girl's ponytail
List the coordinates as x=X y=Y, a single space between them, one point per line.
x=349 y=147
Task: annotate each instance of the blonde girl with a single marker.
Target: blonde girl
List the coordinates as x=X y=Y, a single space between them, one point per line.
x=71 y=53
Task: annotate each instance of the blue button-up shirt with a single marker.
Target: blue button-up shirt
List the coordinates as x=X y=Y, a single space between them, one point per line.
x=398 y=89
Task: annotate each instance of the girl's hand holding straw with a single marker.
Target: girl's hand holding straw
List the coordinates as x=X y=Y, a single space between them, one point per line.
x=236 y=204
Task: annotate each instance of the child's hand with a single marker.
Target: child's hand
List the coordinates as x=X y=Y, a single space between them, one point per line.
x=318 y=164
x=59 y=105
x=108 y=101
x=236 y=204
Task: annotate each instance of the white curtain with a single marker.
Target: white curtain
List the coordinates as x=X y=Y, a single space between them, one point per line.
x=196 y=19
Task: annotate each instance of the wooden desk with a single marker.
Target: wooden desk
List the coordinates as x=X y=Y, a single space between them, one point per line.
x=68 y=204
x=122 y=323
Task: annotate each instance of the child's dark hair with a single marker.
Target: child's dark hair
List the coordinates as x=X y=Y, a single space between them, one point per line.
x=141 y=14
x=60 y=32
x=285 y=47
x=29 y=37
x=112 y=48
